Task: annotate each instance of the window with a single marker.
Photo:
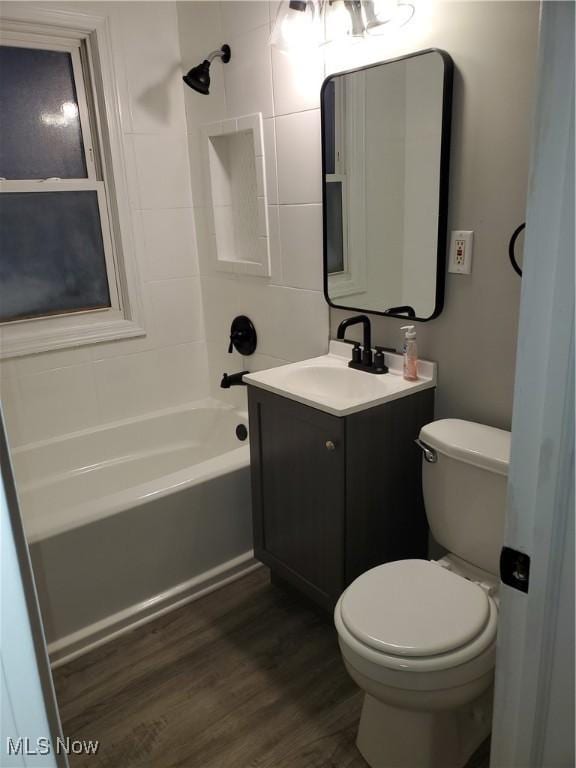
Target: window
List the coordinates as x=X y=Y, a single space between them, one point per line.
x=64 y=248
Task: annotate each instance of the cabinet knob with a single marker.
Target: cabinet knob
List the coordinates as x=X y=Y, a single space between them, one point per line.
x=330 y=445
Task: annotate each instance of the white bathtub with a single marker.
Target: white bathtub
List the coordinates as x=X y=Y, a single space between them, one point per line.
x=130 y=519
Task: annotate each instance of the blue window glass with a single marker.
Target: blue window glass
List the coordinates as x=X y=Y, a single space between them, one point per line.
x=334 y=227
x=40 y=133
x=51 y=254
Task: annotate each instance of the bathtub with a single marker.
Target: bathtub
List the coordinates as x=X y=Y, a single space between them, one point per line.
x=134 y=518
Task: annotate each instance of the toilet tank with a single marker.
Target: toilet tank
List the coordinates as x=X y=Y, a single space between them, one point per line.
x=465 y=488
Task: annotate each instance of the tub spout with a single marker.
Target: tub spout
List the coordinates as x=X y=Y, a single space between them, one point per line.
x=232 y=380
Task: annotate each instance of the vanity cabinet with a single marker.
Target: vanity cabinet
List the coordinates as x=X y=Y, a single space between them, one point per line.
x=334 y=496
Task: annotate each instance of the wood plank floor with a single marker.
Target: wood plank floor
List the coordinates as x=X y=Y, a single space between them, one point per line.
x=247 y=677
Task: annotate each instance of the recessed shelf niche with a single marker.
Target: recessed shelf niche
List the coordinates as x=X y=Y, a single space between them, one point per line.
x=238 y=199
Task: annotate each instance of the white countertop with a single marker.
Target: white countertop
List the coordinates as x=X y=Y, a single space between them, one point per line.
x=328 y=384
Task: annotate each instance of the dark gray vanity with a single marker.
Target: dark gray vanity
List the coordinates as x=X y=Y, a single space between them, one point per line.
x=333 y=496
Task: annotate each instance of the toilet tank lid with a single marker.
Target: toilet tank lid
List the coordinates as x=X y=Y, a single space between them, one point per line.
x=485 y=447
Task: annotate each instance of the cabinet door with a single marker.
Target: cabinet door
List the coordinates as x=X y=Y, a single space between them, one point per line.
x=384 y=505
x=297 y=457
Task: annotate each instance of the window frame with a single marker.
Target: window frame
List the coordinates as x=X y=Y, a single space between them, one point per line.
x=349 y=167
x=88 y=38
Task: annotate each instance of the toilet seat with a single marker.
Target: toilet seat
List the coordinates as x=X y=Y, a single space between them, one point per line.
x=414 y=608
x=414 y=615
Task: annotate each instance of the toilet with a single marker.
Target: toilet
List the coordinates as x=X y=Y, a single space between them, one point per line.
x=419 y=636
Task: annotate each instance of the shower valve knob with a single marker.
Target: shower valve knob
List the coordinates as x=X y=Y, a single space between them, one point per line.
x=242 y=336
x=236 y=339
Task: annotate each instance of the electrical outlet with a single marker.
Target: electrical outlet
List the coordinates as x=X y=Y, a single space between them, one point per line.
x=461 y=252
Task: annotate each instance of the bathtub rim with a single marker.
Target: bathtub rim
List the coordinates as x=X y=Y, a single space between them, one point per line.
x=209 y=403
x=79 y=515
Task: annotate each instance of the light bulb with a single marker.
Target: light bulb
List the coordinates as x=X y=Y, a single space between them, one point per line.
x=70 y=111
x=384 y=10
x=338 y=21
x=295 y=28
x=68 y=114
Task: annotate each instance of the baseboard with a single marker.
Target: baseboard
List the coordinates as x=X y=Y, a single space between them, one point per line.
x=94 y=635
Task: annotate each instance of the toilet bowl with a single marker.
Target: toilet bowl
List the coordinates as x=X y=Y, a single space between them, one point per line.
x=419 y=636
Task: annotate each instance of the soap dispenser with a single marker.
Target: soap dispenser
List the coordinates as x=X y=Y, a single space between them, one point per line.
x=410 y=353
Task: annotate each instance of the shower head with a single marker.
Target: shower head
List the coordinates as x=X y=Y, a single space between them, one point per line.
x=198 y=78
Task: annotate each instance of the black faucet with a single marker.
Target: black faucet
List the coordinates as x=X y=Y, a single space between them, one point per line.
x=362 y=360
x=233 y=380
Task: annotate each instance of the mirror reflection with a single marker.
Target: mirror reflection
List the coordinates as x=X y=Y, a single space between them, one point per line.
x=385 y=184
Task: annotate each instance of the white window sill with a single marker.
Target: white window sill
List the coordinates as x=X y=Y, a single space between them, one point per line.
x=27 y=338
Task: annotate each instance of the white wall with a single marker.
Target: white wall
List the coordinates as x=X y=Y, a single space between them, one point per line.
x=59 y=392
x=493 y=45
x=288 y=309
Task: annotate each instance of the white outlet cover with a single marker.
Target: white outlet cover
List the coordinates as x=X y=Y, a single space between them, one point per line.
x=460 y=261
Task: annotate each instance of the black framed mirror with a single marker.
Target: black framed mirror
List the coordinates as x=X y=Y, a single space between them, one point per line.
x=385 y=165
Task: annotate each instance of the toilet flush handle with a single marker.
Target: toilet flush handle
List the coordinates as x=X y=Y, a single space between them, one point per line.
x=429 y=453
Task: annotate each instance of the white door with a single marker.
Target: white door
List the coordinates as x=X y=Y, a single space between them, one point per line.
x=534 y=700
x=29 y=722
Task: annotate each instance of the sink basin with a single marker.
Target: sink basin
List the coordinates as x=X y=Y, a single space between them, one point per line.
x=328 y=384
x=341 y=383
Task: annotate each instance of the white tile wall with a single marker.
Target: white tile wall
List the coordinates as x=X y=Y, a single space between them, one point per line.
x=169 y=244
x=177 y=311
x=269 y=131
x=56 y=402
x=301 y=235
x=148 y=381
x=297 y=79
x=248 y=84
x=58 y=392
x=152 y=67
x=10 y=405
x=239 y=17
x=163 y=171
x=288 y=308
x=299 y=157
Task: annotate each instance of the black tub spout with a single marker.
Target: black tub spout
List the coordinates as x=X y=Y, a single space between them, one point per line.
x=233 y=380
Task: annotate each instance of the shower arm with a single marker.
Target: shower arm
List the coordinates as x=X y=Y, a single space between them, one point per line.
x=221 y=53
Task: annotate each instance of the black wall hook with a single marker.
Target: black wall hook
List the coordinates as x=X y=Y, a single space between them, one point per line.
x=511 y=247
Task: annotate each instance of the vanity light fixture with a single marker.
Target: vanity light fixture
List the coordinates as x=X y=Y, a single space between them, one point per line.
x=303 y=24
x=198 y=78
